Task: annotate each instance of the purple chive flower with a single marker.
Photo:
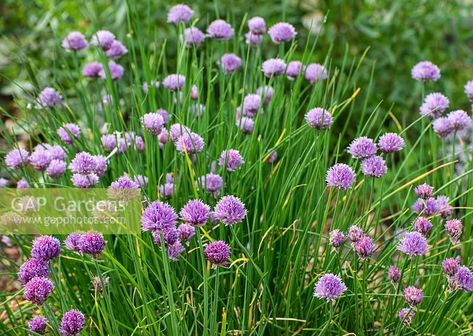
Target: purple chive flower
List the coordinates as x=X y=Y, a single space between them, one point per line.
x=413 y=244
x=294 y=69
x=68 y=132
x=464 y=279
x=177 y=130
x=38 y=289
x=273 y=156
x=75 y=41
x=315 y=72
x=406 y=315
x=282 y=32
x=72 y=242
x=109 y=142
x=116 y=71
x=362 y=148
x=180 y=13
x=469 y=90
x=426 y=207
x=230 y=210
x=425 y=71
x=153 y=123
x=157 y=216
x=217 y=253
x=186 y=232
x=364 y=247
x=329 y=287
x=192 y=37
x=230 y=63
x=340 y=176
x=56 y=169
x=103 y=39
x=319 y=118
x=83 y=163
x=212 y=183
x=116 y=50
x=253 y=39
x=175 y=250
x=22 y=184
x=266 y=93
x=195 y=212
x=443 y=207
x=92 y=243
x=394 y=274
x=336 y=239
x=48 y=98
x=123 y=182
x=38 y=325
x=194 y=94
x=17 y=158
x=72 y=323
x=443 y=127
x=231 y=160
x=46 y=248
x=174 y=82
x=169 y=234
x=100 y=165
x=92 y=70
x=245 y=124
x=190 y=143
x=84 y=181
x=460 y=120
x=450 y=266
x=374 y=166
x=423 y=226
x=141 y=181
x=273 y=67
x=355 y=233
x=390 y=143
x=39 y=159
x=166 y=190
x=413 y=296
x=33 y=268
x=220 y=30
x=3 y=182
x=257 y=25
x=434 y=105
x=424 y=191
x=454 y=228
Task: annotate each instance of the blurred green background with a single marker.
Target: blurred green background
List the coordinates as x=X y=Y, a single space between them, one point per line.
x=398 y=34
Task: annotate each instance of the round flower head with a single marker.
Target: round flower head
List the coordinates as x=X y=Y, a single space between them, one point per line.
x=116 y=50
x=257 y=25
x=443 y=127
x=294 y=68
x=469 y=90
x=231 y=160
x=355 y=233
x=38 y=325
x=217 y=253
x=364 y=247
x=109 y=141
x=434 y=105
x=362 y=148
x=174 y=82
x=266 y=93
x=413 y=296
x=423 y=226
x=425 y=71
x=464 y=279
x=38 y=289
x=22 y=184
x=46 y=248
x=169 y=234
x=92 y=243
x=175 y=250
x=336 y=239
x=315 y=72
x=273 y=67
x=319 y=118
x=374 y=166
x=177 y=130
x=56 y=169
x=3 y=182
x=340 y=176
x=72 y=242
x=426 y=207
x=84 y=181
x=253 y=39
x=406 y=315
x=49 y=98
x=230 y=63
x=329 y=287
x=245 y=124
x=68 y=132
x=190 y=143
x=390 y=143
x=273 y=156
x=460 y=120
x=212 y=183
x=195 y=212
x=230 y=210
x=92 y=70
x=394 y=274
x=40 y=159
x=83 y=163
x=450 y=266
x=141 y=181
x=33 y=268
x=180 y=13
x=413 y=244
x=166 y=190
x=17 y=158
x=185 y=232
x=443 y=207
x=100 y=165
x=220 y=30
x=424 y=191
x=454 y=228
x=153 y=123
x=103 y=39
x=72 y=323
x=74 y=41
x=157 y=216
x=116 y=71
x=192 y=37
x=282 y=32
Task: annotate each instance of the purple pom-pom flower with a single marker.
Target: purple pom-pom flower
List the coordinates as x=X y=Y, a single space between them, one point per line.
x=329 y=287
x=217 y=253
x=413 y=244
x=282 y=32
x=38 y=289
x=46 y=248
x=230 y=210
x=319 y=118
x=425 y=71
x=340 y=176
x=72 y=323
